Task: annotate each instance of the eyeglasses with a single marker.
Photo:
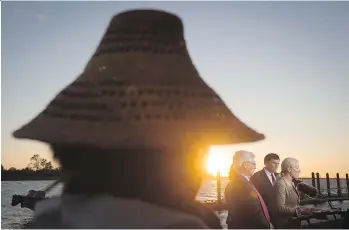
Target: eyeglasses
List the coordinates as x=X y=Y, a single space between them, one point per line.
x=251 y=162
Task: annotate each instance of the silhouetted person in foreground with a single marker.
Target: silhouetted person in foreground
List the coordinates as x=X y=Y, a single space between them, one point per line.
x=247 y=209
x=132 y=131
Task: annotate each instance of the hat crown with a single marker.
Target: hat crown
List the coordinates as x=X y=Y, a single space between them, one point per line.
x=147 y=31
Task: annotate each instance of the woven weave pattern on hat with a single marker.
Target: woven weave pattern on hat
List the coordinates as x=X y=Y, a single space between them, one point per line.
x=139 y=89
x=144 y=31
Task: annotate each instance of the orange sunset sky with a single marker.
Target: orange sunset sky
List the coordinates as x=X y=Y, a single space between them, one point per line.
x=281 y=67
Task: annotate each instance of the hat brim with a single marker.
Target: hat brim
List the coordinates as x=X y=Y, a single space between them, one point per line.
x=125 y=135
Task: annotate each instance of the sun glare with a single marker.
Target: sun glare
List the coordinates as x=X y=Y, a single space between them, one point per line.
x=218 y=160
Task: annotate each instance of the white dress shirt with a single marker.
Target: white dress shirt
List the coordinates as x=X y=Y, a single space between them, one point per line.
x=269 y=175
x=246 y=177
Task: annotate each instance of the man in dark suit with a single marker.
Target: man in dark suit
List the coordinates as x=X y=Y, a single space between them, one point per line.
x=264 y=179
x=247 y=209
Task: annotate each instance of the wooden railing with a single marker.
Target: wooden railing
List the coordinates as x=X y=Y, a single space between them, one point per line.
x=338 y=191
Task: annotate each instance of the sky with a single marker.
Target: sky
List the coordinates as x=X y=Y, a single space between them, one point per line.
x=281 y=67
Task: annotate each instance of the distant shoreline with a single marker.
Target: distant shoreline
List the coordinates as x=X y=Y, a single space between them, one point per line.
x=9 y=177
x=28 y=178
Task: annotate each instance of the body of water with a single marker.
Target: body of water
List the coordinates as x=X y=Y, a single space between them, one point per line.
x=14 y=217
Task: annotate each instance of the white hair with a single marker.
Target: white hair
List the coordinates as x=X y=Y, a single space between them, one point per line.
x=241 y=157
x=288 y=163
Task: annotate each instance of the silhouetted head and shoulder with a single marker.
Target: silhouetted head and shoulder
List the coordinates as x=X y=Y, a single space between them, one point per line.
x=131 y=132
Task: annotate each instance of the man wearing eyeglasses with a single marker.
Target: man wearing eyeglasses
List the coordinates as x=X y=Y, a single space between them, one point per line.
x=247 y=209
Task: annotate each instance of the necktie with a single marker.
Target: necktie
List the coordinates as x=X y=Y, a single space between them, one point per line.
x=264 y=207
x=272 y=178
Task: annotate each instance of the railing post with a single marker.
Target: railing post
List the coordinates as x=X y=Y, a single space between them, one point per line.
x=318 y=182
x=347 y=179
x=328 y=184
x=219 y=191
x=313 y=179
x=339 y=186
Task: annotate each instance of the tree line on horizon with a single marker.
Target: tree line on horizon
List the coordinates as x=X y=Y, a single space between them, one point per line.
x=38 y=168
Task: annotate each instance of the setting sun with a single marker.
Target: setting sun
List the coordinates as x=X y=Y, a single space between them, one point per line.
x=219 y=159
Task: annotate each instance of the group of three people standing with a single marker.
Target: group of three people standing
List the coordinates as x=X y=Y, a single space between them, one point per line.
x=265 y=199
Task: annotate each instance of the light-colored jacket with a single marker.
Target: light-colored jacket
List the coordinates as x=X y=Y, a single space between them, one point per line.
x=109 y=212
x=286 y=201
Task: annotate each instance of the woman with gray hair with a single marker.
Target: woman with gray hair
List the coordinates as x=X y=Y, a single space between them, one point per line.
x=287 y=195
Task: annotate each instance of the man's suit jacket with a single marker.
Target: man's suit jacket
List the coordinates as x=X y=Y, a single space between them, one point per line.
x=264 y=187
x=245 y=209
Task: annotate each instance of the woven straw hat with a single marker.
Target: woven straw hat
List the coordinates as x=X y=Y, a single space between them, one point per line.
x=140 y=89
